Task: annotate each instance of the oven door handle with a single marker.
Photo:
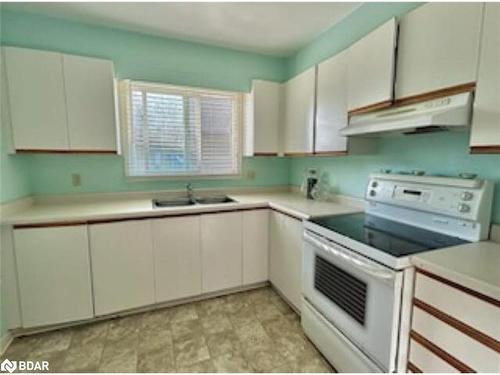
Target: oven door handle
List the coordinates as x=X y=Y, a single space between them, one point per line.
x=356 y=261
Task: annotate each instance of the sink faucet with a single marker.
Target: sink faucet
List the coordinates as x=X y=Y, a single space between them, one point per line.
x=189 y=192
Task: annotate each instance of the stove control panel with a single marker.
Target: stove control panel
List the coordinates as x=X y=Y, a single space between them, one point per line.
x=459 y=198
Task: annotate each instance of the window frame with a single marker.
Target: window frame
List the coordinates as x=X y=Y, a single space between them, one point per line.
x=125 y=105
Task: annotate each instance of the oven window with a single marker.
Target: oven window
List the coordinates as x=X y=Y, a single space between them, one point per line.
x=340 y=287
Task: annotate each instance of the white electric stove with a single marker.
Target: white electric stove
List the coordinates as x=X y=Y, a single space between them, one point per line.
x=357 y=275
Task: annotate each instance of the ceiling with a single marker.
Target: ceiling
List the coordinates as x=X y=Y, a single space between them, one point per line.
x=271 y=28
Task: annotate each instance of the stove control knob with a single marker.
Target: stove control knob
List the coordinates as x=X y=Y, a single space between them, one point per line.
x=462 y=207
x=374 y=184
x=372 y=193
x=466 y=196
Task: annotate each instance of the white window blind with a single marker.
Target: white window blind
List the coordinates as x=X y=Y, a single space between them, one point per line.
x=180 y=131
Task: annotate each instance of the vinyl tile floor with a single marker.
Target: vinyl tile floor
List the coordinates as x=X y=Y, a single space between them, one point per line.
x=252 y=331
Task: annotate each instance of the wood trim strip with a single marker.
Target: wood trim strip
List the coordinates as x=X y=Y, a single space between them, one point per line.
x=462 y=288
x=445 y=356
x=411 y=367
x=330 y=153
x=452 y=90
x=116 y=220
x=35 y=151
x=292 y=154
x=48 y=225
x=484 y=149
x=370 y=108
x=473 y=333
x=265 y=154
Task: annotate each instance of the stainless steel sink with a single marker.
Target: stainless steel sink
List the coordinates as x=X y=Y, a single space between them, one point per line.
x=175 y=202
x=214 y=200
x=186 y=201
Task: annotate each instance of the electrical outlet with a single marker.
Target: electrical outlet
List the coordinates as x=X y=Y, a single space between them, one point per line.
x=76 y=179
x=250 y=175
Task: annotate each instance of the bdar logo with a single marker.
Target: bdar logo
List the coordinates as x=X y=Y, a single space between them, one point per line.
x=9 y=366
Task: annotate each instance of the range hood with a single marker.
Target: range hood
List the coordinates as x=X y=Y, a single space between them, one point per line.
x=447 y=113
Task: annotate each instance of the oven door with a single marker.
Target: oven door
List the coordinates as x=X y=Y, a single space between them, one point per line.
x=360 y=297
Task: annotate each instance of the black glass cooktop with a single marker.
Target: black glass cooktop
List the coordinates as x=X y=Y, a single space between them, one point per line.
x=386 y=235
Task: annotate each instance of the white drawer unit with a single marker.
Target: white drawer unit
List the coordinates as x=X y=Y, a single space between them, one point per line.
x=453 y=328
x=53 y=269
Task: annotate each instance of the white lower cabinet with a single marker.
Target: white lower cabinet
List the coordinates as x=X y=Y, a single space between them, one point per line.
x=53 y=274
x=177 y=257
x=221 y=251
x=285 y=256
x=255 y=246
x=122 y=265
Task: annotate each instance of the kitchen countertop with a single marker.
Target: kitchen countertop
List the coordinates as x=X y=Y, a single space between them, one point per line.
x=475 y=265
x=88 y=209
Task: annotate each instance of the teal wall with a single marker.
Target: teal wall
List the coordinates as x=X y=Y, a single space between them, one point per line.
x=140 y=57
x=145 y=57
x=51 y=174
x=438 y=153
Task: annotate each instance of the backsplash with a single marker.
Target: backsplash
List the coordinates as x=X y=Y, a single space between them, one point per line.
x=437 y=153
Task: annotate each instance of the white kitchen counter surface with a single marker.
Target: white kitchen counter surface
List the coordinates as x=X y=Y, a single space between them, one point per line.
x=130 y=207
x=475 y=265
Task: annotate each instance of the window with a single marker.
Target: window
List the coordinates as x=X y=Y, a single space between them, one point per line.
x=180 y=131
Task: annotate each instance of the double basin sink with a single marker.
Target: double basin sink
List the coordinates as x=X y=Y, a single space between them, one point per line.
x=187 y=201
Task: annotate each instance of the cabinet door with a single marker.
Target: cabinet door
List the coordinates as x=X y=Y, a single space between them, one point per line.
x=122 y=265
x=177 y=257
x=438 y=47
x=331 y=104
x=285 y=257
x=90 y=103
x=371 y=68
x=54 y=275
x=265 y=117
x=299 y=112
x=36 y=97
x=255 y=246
x=221 y=251
x=486 y=119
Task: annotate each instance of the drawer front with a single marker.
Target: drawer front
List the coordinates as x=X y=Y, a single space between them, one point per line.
x=456 y=344
x=427 y=360
x=453 y=328
x=478 y=314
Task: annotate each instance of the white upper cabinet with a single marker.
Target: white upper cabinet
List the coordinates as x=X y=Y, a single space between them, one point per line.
x=53 y=269
x=438 y=47
x=485 y=134
x=371 y=68
x=263 y=118
x=37 y=100
x=331 y=102
x=60 y=102
x=177 y=257
x=90 y=103
x=299 y=113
